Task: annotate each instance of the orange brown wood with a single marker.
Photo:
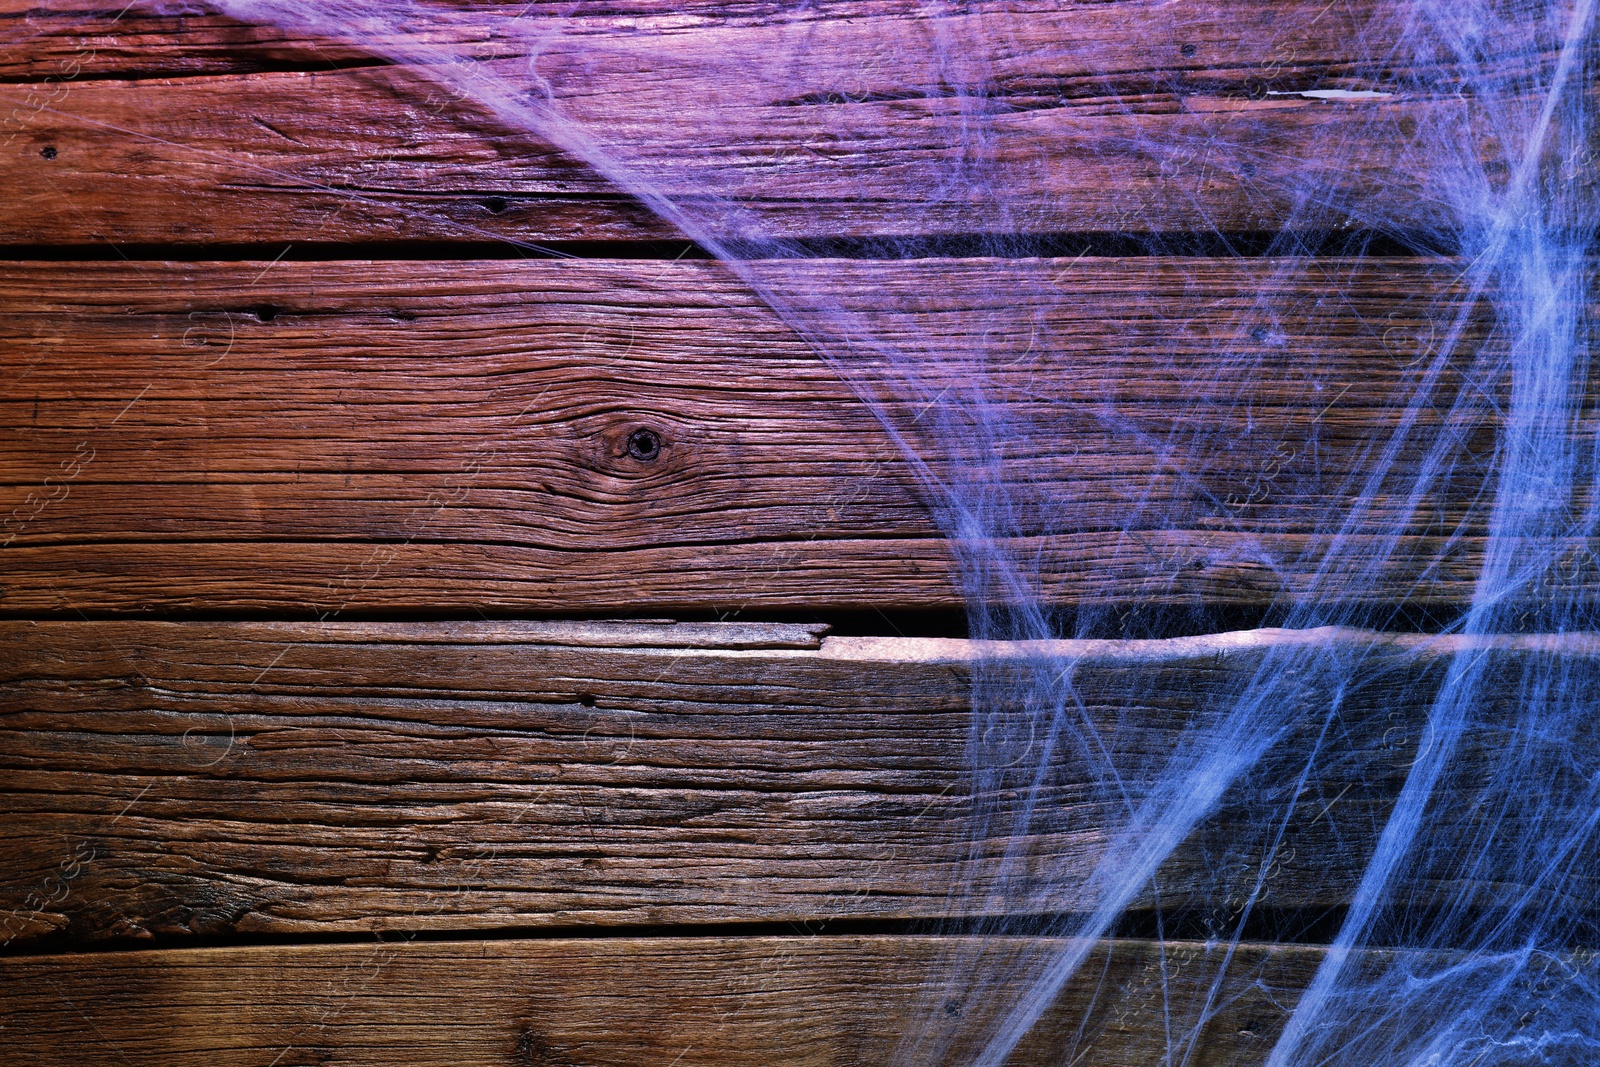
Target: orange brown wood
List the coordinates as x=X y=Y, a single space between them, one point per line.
x=192 y=130
x=635 y=1002
x=400 y=436
x=218 y=779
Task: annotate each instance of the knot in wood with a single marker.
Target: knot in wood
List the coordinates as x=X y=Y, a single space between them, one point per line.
x=644 y=444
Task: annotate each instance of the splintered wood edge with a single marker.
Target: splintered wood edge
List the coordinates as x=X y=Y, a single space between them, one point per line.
x=812 y=640
x=620 y=635
x=1159 y=650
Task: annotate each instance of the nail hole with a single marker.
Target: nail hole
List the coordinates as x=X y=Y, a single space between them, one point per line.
x=48 y=151
x=586 y=699
x=1189 y=49
x=265 y=313
x=644 y=444
x=495 y=204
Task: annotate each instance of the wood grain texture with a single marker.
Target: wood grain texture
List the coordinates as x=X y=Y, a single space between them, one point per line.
x=341 y=438
x=645 y=1002
x=331 y=437
x=60 y=39
x=174 y=779
x=843 y=121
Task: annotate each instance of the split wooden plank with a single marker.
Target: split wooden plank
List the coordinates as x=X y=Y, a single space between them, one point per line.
x=331 y=437
x=296 y=778
x=645 y=1002
x=1125 y=117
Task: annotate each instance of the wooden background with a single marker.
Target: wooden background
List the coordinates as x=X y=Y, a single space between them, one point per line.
x=311 y=483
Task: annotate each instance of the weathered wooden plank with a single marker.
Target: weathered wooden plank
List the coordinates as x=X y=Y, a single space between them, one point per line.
x=323 y=437
x=838 y=122
x=225 y=778
x=650 y=1002
x=59 y=39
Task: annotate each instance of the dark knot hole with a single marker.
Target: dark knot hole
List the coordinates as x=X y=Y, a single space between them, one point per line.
x=644 y=444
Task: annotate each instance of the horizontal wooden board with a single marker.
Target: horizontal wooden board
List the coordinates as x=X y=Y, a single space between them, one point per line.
x=1126 y=117
x=331 y=437
x=174 y=779
x=645 y=1002
x=61 y=40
